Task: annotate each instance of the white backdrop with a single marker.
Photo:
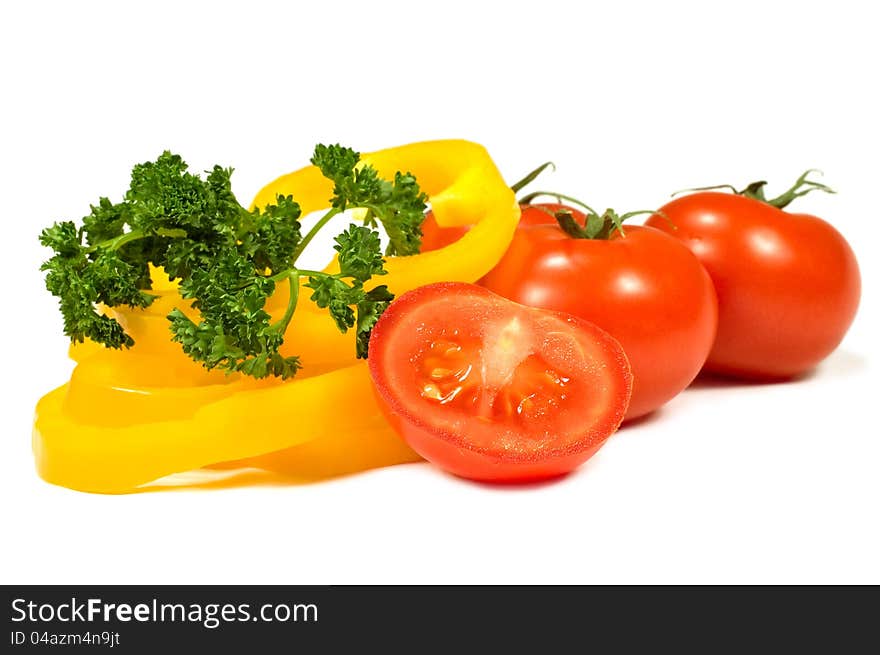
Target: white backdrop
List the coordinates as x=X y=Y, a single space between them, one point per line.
x=742 y=484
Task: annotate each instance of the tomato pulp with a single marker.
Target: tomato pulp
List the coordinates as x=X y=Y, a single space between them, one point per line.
x=788 y=284
x=642 y=286
x=489 y=389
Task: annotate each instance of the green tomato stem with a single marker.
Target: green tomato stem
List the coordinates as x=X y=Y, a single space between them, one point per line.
x=527 y=199
x=801 y=187
x=528 y=179
x=755 y=190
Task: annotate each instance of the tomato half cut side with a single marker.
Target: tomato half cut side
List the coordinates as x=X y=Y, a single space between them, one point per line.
x=489 y=389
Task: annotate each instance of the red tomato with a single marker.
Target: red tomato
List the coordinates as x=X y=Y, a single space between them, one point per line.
x=434 y=236
x=646 y=289
x=491 y=390
x=788 y=284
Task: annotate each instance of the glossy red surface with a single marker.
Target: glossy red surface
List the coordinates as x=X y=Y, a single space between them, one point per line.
x=788 y=284
x=645 y=289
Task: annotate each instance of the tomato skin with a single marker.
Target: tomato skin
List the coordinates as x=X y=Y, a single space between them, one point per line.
x=458 y=450
x=644 y=288
x=788 y=284
x=477 y=466
x=435 y=237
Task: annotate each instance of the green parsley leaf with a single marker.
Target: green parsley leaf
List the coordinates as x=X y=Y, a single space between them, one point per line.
x=227 y=259
x=360 y=253
x=399 y=205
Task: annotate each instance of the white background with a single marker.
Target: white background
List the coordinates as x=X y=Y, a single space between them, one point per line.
x=735 y=484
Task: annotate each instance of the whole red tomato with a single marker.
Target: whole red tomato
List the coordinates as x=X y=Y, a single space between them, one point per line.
x=640 y=285
x=788 y=284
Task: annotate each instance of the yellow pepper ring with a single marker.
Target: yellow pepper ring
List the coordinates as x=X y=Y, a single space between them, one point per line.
x=292 y=427
x=464 y=187
x=119 y=458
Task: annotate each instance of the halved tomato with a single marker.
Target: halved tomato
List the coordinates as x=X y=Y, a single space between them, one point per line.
x=489 y=389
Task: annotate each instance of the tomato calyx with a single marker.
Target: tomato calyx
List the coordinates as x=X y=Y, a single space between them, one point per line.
x=755 y=190
x=596 y=226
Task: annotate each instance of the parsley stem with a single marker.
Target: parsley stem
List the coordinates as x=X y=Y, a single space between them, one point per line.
x=310 y=273
x=311 y=233
x=117 y=242
x=287 y=272
x=280 y=326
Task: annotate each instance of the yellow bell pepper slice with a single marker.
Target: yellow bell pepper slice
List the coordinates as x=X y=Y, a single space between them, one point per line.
x=464 y=188
x=128 y=418
x=121 y=457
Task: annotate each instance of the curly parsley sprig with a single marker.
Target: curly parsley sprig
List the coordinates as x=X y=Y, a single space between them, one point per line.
x=228 y=260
